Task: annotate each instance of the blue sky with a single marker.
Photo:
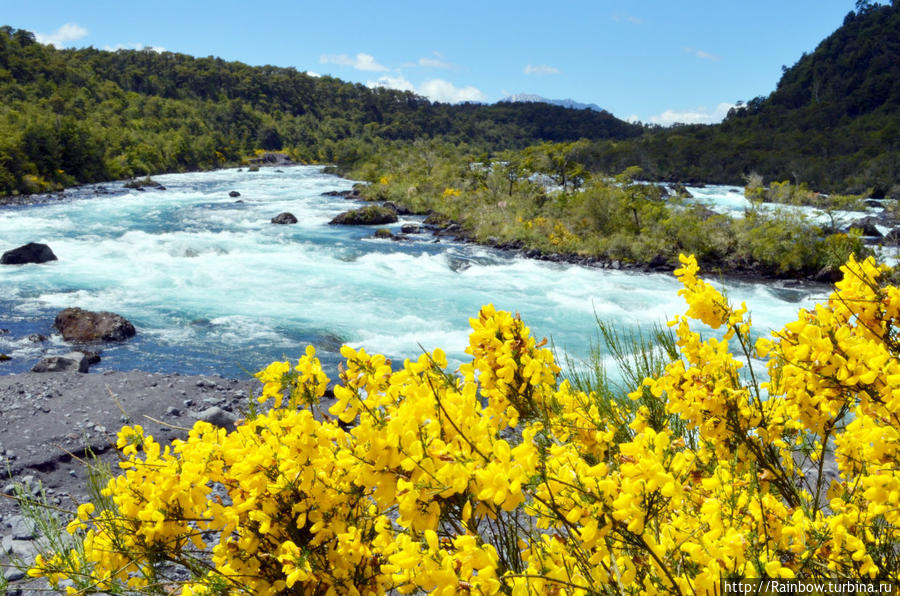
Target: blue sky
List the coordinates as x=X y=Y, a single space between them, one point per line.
x=650 y=60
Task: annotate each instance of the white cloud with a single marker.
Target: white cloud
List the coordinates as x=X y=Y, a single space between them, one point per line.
x=313 y=74
x=633 y=118
x=433 y=89
x=541 y=70
x=134 y=46
x=359 y=62
x=701 y=54
x=67 y=33
x=434 y=63
x=701 y=115
x=444 y=91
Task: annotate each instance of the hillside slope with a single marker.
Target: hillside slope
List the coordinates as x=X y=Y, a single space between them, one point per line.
x=833 y=121
x=70 y=116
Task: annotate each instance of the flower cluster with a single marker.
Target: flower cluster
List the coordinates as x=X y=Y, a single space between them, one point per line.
x=502 y=478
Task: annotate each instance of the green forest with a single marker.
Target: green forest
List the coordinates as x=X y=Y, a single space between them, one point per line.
x=86 y=115
x=74 y=116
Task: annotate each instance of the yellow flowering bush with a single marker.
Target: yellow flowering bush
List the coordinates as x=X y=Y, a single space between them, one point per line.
x=501 y=478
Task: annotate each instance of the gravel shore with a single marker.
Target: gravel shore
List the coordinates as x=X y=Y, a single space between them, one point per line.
x=47 y=420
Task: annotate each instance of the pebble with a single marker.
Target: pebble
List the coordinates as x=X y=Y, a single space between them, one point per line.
x=23 y=528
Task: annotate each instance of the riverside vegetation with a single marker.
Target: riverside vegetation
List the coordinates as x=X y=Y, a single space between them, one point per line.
x=503 y=200
x=501 y=477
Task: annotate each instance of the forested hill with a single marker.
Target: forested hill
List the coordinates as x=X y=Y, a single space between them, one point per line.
x=833 y=121
x=70 y=116
x=85 y=115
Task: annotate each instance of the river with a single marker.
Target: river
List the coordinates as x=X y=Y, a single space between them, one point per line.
x=213 y=287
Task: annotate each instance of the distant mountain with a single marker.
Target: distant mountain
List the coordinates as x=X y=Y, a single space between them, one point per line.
x=565 y=103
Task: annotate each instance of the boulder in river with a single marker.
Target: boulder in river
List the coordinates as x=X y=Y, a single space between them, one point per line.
x=73 y=361
x=398 y=209
x=284 y=218
x=410 y=228
x=32 y=252
x=144 y=183
x=892 y=237
x=234 y=194
x=680 y=190
x=867 y=226
x=76 y=324
x=828 y=274
x=370 y=215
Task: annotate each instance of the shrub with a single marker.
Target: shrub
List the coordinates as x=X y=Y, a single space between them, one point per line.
x=501 y=478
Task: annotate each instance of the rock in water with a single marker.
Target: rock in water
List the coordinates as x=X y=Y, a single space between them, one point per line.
x=76 y=324
x=284 y=218
x=32 y=252
x=366 y=216
x=234 y=194
x=73 y=361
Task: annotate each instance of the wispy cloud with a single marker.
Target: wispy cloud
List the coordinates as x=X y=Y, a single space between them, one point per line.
x=434 y=89
x=541 y=70
x=701 y=115
x=435 y=62
x=703 y=55
x=134 y=46
x=359 y=62
x=66 y=34
x=627 y=19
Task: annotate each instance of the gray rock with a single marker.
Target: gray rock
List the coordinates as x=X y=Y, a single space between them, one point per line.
x=284 y=218
x=217 y=417
x=410 y=228
x=76 y=324
x=23 y=528
x=893 y=237
x=398 y=209
x=14 y=574
x=32 y=252
x=366 y=216
x=73 y=361
x=234 y=194
x=867 y=226
x=24 y=549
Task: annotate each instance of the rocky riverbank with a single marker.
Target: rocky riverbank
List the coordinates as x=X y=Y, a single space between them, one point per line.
x=50 y=420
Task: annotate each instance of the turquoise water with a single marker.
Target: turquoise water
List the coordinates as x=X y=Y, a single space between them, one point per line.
x=213 y=286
